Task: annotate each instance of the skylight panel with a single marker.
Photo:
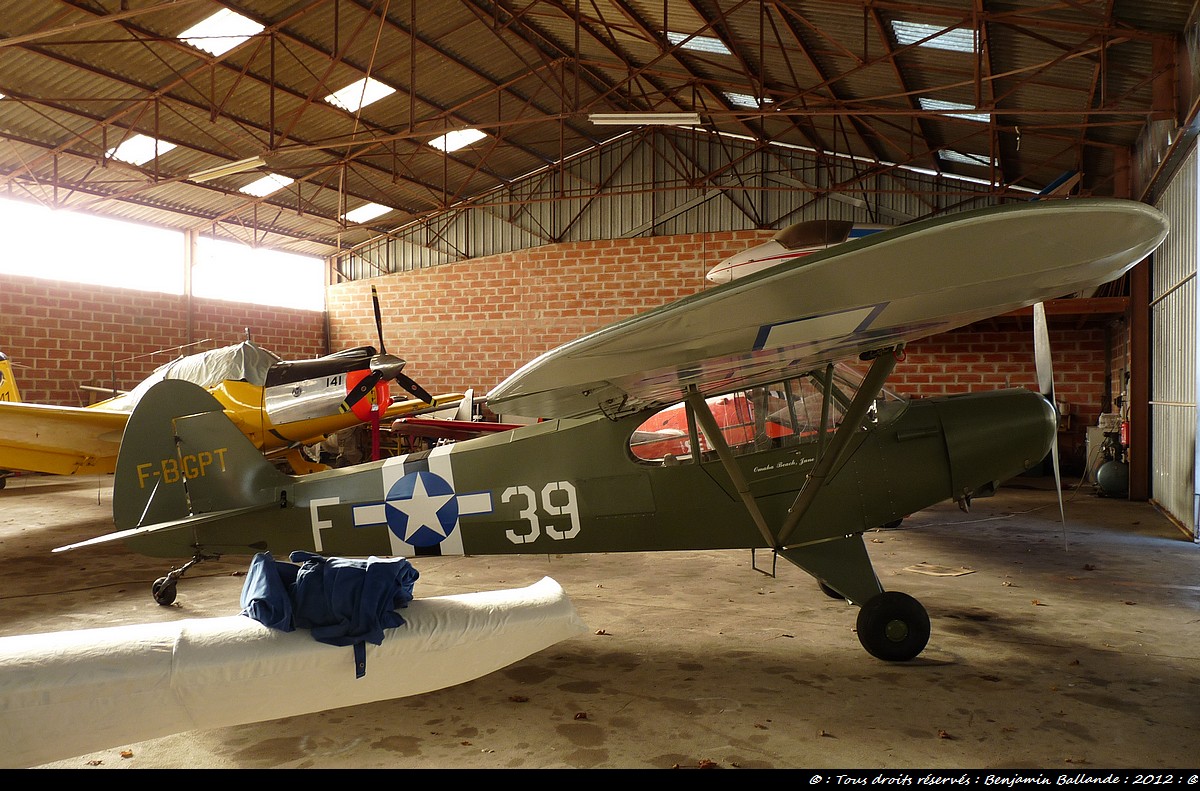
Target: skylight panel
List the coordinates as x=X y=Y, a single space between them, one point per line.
x=459 y=138
x=261 y=188
x=139 y=149
x=707 y=44
x=954 y=108
x=957 y=40
x=221 y=32
x=967 y=159
x=367 y=212
x=359 y=94
x=746 y=100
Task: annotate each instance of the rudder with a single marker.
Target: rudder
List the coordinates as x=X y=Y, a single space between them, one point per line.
x=181 y=456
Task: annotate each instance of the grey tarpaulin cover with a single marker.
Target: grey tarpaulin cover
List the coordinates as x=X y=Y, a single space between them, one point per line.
x=242 y=361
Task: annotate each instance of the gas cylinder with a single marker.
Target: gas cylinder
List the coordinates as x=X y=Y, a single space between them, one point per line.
x=1113 y=478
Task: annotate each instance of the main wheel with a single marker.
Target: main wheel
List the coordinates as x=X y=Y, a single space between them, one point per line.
x=163 y=590
x=893 y=626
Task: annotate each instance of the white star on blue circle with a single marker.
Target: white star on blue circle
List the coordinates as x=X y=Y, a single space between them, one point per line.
x=421 y=509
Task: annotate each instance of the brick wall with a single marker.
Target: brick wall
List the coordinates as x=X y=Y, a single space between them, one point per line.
x=62 y=335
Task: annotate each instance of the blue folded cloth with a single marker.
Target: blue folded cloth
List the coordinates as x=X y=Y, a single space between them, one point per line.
x=342 y=601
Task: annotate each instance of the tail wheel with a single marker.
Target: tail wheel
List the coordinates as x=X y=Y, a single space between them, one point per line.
x=163 y=590
x=893 y=626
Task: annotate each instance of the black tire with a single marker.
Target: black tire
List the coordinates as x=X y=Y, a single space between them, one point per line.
x=830 y=592
x=163 y=590
x=893 y=626
x=892 y=525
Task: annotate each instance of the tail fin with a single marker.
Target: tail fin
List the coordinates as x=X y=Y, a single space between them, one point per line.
x=181 y=456
x=466 y=407
x=8 y=382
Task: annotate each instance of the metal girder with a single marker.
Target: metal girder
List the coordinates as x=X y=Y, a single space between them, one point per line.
x=1073 y=87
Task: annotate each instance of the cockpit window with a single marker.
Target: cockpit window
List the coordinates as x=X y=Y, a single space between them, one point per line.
x=664 y=438
x=758 y=418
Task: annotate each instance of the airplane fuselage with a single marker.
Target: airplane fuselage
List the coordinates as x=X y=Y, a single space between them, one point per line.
x=472 y=498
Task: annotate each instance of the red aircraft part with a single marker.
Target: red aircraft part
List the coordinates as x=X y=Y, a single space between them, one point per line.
x=379 y=395
x=667 y=432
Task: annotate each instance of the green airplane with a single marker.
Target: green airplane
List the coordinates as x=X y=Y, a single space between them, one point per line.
x=716 y=422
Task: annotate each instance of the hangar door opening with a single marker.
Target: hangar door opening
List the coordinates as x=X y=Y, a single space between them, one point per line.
x=1174 y=478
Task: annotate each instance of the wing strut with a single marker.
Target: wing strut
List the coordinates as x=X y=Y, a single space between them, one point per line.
x=705 y=417
x=826 y=400
x=856 y=412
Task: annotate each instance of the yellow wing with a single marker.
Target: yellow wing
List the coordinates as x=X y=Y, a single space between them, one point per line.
x=58 y=439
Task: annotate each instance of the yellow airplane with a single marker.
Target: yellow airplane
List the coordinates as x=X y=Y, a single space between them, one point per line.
x=279 y=405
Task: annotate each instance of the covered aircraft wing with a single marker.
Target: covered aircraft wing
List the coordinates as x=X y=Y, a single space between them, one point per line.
x=891 y=287
x=69 y=693
x=58 y=439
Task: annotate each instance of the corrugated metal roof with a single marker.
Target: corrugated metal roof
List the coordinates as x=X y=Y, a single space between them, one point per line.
x=1068 y=87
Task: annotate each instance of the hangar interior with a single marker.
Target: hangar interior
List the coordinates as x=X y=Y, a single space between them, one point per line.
x=510 y=176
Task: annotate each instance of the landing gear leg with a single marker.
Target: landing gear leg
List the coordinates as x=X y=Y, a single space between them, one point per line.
x=893 y=626
x=164 y=588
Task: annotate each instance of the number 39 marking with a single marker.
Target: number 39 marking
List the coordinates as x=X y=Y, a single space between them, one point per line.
x=552 y=495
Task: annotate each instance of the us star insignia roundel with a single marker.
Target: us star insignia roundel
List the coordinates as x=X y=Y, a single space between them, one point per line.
x=420 y=506
x=421 y=509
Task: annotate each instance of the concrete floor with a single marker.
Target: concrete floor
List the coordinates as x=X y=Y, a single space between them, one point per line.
x=1060 y=649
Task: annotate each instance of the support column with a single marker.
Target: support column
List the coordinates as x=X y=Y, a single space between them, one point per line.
x=1139 y=382
x=191 y=240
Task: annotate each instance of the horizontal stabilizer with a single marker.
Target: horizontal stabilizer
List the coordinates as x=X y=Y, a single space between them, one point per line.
x=65 y=694
x=176 y=524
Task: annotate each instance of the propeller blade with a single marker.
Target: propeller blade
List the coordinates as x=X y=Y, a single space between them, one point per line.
x=1041 y=353
x=378 y=319
x=1045 y=375
x=415 y=389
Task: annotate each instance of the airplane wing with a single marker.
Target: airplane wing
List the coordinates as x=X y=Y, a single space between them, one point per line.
x=58 y=439
x=891 y=287
x=415 y=406
x=445 y=428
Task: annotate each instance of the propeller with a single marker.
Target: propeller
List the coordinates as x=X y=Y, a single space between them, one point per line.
x=384 y=367
x=378 y=320
x=1045 y=376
